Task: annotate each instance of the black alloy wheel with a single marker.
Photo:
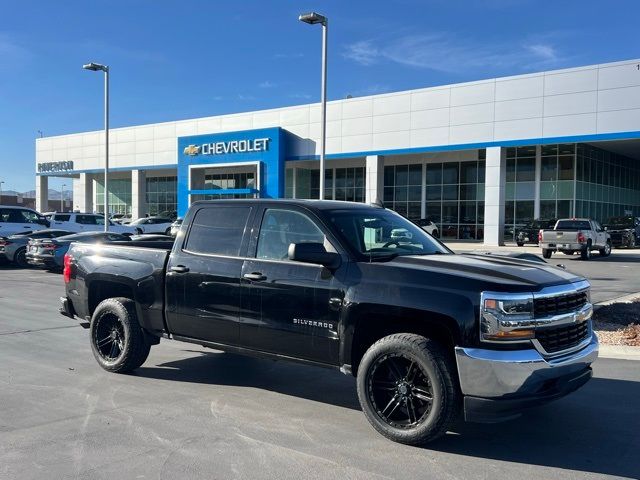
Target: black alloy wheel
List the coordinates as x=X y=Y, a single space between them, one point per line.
x=109 y=337
x=117 y=340
x=399 y=390
x=20 y=258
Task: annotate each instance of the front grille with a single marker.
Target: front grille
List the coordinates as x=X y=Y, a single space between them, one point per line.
x=562 y=338
x=558 y=305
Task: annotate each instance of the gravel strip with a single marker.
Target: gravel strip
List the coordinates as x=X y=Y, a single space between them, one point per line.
x=618 y=324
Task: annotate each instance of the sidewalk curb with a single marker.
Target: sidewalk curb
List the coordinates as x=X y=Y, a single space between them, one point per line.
x=620 y=352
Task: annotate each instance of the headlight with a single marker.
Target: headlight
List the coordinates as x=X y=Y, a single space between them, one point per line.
x=506 y=317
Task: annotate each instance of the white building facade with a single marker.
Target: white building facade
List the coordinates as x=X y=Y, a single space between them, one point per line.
x=479 y=158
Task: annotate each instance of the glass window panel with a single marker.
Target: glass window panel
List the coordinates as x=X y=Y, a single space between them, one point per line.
x=481 y=171
x=511 y=152
x=449 y=212
x=508 y=213
x=415 y=174
x=400 y=194
x=402 y=174
x=480 y=212
x=433 y=212
x=389 y=175
x=526 y=170
x=549 y=150
x=388 y=194
x=415 y=194
x=524 y=212
x=549 y=169
x=450 y=192
x=565 y=189
x=565 y=167
x=511 y=170
x=528 y=151
x=467 y=232
x=548 y=190
x=469 y=172
x=434 y=192
x=450 y=172
x=564 y=208
x=401 y=209
x=547 y=209
x=415 y=210
x=218 y=230
x=510 y=191
x=434 y=173
x=566 y=148
x=468 y=212
x=468 y=192
x=525 y=190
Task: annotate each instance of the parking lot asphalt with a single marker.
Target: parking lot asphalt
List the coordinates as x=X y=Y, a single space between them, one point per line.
x=190 y=412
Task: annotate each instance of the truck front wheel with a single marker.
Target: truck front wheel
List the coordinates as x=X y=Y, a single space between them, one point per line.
x=546 y=253
x=408 y=389
x=117 y=340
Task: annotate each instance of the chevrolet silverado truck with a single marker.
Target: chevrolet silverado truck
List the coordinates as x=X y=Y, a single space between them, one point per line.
x=571 y=235
x=429 y=335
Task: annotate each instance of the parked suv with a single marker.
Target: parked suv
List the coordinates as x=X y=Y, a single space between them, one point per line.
x=624 y=231
x=20 y=220
x=88 y=222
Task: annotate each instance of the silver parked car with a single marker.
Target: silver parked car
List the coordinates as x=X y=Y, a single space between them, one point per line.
x=14 y=248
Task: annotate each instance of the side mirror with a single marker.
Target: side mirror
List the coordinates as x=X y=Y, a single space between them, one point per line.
x=314 y=253
x=606 y=228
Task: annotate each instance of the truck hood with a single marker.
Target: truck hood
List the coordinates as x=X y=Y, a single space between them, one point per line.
x=506 y=273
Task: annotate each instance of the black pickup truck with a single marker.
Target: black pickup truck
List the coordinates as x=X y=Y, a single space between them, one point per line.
x=427 y=333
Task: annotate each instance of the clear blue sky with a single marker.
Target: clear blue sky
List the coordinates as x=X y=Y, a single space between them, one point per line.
x=183 y=59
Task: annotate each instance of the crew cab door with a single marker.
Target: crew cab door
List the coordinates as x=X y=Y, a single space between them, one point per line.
x=289 y=308
x=203 y=274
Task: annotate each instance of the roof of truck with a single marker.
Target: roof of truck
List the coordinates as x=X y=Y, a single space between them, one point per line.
x=318 y=204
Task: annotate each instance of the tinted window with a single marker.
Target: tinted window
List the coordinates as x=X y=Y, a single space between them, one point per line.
x=378 y=234
x=573 y=225
x=15 y=215
x=61 y=218
x=218 y=230
x=281 y=228
x=86 y=219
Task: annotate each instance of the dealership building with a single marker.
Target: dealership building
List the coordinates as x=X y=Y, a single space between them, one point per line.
x=479 y=158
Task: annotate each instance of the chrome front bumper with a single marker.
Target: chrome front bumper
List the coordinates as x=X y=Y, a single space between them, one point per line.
x=517 y=373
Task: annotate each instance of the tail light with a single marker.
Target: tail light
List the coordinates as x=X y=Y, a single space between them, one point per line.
x=581 y=238
x=51 y=246
x=4 y=243
x=66 y=272
x=539 y=236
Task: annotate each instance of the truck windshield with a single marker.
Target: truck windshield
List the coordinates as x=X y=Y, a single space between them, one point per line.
x=573 y=225
x=382 y=234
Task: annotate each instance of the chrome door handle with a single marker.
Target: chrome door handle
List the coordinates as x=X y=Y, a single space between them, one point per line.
x=179 y=269
x=254 y=276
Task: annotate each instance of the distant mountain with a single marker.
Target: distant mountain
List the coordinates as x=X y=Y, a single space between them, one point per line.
x=53 y=194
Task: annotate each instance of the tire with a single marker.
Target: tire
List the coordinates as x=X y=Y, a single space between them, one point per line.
x=117 y=340
x=20 y=258
x=632 y=241
x=167 y=232
x=546 y=253
x=606 y=251
x=520 y=244
x=428 y=396
x=139 y=231
x=585 y=253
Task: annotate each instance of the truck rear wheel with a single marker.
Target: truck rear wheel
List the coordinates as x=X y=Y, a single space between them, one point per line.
x=117 y=340
x=546 y=253
x=408 y=389
x=585 y=253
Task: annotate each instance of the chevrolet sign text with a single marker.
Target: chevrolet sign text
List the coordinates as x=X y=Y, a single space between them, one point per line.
x=232 y=146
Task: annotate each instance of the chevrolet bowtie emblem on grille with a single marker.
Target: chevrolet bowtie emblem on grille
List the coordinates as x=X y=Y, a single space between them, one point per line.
x=192 y=150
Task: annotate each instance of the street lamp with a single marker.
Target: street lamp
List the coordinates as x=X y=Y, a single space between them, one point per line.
x=62 y=197
x=97 y=67
x=1 y=192
x=312 y=19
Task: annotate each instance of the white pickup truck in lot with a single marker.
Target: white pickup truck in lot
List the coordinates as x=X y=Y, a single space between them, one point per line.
x=572 y=235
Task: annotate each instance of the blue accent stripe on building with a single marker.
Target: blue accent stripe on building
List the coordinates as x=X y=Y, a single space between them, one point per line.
x=471 y=146
x=223 y=191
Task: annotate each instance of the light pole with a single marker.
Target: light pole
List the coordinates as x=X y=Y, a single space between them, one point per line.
x=97 y=67
x=1 y=192
x=62 y=197
x=312 y=19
